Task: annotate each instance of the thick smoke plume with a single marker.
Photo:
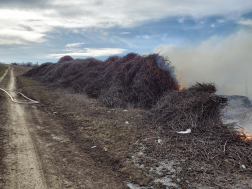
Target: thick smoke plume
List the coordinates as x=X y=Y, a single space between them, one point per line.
x=226 y=62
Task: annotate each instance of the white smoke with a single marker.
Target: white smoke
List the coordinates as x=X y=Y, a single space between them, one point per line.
x=226 y=62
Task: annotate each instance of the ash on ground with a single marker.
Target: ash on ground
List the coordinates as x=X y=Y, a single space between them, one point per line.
x=239 y=112
x=162 y=172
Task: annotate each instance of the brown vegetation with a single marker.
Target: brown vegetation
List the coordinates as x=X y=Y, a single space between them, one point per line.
x=211 y=150
x=2 y=121
x=117 y=82
x=3 y=68
x=191 y=108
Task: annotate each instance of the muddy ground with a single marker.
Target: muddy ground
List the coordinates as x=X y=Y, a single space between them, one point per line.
x=68 y=141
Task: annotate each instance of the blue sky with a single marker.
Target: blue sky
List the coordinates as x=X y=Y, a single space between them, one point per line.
x=216 y=32
x=43 y=30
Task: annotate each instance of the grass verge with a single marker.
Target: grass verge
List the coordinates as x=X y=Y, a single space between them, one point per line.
x=3 y=68
x=102 y=123
x=113 y=131
x=2 y=135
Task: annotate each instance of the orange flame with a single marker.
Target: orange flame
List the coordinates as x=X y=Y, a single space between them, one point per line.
x=181 y=81
x=246 y=137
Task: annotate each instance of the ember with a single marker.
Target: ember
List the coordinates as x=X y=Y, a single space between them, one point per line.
x=181 y=81
x=246 y=137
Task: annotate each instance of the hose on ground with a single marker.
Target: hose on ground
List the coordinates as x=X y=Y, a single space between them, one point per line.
x=32 y=101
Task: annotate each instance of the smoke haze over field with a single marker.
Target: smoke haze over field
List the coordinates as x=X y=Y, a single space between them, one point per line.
x=226 y=62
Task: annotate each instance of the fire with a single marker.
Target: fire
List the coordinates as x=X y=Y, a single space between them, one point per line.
x=181 y=81
x=246 y=137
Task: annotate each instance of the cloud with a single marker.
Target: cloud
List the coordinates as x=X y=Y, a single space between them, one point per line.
x=111 y=13
x=74 y=48
x=224 y=61
x=221 y=20
x=94 y=52
x=181 y=20
x=8 y=36
x=247 y=22
x=44 y=16
x=25 y=4
x=21 y=26
x=125 y=33
x=147 y=36
x=74 y=45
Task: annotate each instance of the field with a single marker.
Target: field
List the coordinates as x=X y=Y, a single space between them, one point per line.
x=130 y=144
x=211 y=148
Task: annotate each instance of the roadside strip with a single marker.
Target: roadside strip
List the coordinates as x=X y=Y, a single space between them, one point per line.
x=1 y=78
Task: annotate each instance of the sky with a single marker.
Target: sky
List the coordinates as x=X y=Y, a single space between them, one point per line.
x=206 y=41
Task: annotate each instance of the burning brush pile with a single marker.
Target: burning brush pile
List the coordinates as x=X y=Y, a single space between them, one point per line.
x=210 y=149
x=117 y=82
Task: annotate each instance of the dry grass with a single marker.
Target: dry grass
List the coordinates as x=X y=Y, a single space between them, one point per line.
x=3 y=68
x=3 y=120
x=85 y=114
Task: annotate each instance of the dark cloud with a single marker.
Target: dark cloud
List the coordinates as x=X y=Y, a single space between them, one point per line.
x=23 y=4
x=26 y=27
x=73 y=11
x=98 y=3
x=247 y=15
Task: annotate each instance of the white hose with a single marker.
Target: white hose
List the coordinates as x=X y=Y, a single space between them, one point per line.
x=32 y=101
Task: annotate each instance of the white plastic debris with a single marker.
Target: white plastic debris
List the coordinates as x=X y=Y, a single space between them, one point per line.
x=126 y=122
x=243 y=166
x=159 y=140
x=125 y=110
x=93 y=147
x=185 y=132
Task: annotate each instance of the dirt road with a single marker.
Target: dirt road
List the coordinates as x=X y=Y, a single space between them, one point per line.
x=23 y=162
